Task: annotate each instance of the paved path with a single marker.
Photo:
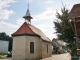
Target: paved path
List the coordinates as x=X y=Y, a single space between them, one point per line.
x=65 y=56
x=6 y=59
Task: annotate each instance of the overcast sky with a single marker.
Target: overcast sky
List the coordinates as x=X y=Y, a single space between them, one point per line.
x=42 y=11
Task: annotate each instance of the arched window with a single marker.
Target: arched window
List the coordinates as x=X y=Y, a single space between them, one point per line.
x=31 y=47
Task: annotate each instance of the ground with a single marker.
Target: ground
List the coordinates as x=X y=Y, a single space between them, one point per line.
x=65 y=56
x=6 y=59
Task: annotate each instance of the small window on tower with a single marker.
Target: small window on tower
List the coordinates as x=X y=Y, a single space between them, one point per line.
x=31 y=47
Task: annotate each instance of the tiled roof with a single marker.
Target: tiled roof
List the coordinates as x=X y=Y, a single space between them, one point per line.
x=39 y=32
x=75 y=11
x=24 y=29
x=58 y=42
x=27 y=29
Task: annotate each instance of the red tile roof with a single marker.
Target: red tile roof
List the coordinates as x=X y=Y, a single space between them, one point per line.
x=24 y=29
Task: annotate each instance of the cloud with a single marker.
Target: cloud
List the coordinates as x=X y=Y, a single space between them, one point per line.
x=5 y=13
x=20 y=21
x=44 y=23
x=48 y=1
x=42 y=27
x=29 y=1
x=8 y=27
x=5 y=3
x=45 y=29
x=48 y=14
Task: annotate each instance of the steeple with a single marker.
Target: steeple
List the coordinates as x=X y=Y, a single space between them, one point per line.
x=28 y=16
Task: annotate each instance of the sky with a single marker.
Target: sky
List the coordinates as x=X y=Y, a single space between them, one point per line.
x=42 y=11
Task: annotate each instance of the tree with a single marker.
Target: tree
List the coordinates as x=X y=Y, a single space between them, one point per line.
x=65 y=29
x=5 y=37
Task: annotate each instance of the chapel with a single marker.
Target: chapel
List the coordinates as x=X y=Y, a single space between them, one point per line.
x=29 y=42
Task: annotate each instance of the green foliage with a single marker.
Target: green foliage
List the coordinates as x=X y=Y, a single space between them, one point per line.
x=5 y=37
x=73 y=48
x=3 y=56
x=65 y=28
x=9 y=55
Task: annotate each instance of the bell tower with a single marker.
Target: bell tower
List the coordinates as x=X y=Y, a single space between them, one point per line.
x=27 y=16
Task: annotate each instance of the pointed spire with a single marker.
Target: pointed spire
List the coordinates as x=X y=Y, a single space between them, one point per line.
x=28 y=16
x=28 y=6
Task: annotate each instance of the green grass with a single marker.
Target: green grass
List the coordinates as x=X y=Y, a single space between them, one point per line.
x=3 y=56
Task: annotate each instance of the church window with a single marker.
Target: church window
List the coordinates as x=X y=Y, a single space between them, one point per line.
x=31 y=47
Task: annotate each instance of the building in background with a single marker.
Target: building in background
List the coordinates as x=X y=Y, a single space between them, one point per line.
x=58 y=46
x=4 y=47
x=75 y=16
